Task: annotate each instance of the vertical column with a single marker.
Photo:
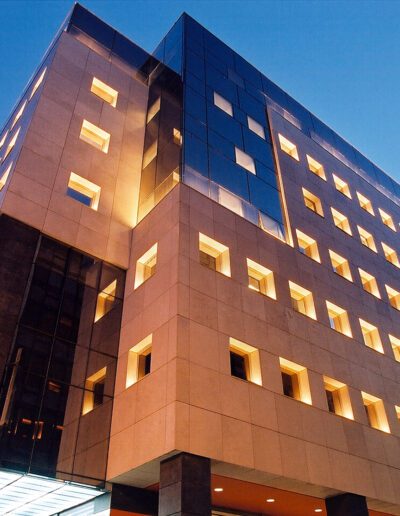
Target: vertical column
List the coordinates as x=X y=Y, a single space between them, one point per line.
x=346 y=504
x=185 y=486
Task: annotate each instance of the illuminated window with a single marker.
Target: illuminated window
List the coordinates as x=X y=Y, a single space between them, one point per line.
x=94 y=391
x=390 y=255
x=341 y=221
x=146 y=266
x=38 y=83
x=83 y=191
x=365 y=203
x=315 y=167
x=104 y=91
x=244 y=361
x=245 y=161
x=214 y=255
x=307 y=246
x=19 y=114
x=395 y=343
x=3 y=139
x=95 y=136
x=371 y=336
x=341 y=186
x=338 y=319
x=261 y=279
x=256 y=127
x=223 y=104
x=4 y=177
x=11 y=145
x=367 y=239
x=150 y=153
x=105 y=300
x=375 y=412
x=387 y=219
x=302 y=300
x=288 y=147
x=340 y=265
x=397 y=410
x=312 y=202
x=394 y=297
x=153 y=109
x=177 y=136
x=230 y=201
x=295 y=382
x=369 y=283
x=337 y=397
x=139 y=361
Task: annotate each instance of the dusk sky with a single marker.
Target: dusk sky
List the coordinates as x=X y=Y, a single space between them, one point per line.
x=341 y=59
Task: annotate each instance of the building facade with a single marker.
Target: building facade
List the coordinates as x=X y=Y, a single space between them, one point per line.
x=200 y=291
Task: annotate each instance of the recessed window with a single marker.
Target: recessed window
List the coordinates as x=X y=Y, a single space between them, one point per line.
x=4 y=176
x=223 y=104
x=256 y=127
x=307 y=246
x=19 y=114
x=369 y=283
x=397 y=411
x=338 y=319
x=104 y=91
x=230 y=201
x=371 y=336
x=146 y=266
x=288 y=147
x=177 y=136
x=245 y=161
x=261 y=279
x=214 y=255
x=153 y=109
x=375 y=412
x=3 y=139
x=244 y=361
x=365 y=203
x=95 y=136
x=315 y=167
x=341 y=186
x=387 y=219
x=341 y=221
x=105 y=300
x=340 y=265
x=139 y=361
x=38 y=83
x=367 y=239
x=394 y=297
x=150 y=153
x=295 y=382
x=312 y=202
x=390 y=255
x=83 y=191
x=395 y=343
x=337 y=397
x=302 y=300
x=11 y=144
x=94 y=391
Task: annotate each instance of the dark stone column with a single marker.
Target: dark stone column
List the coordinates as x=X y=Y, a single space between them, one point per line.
x=346 y=504
x=134 y=499
x=185 y=486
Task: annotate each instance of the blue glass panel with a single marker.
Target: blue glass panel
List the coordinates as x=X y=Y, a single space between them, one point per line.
x=265 y=197
x=224 y=124
x=246 y=70
x=194 y=64
x=274 y=92
x=220 y=84
x=195 y=105
x=252 y=108
x=78 y=196
x=221 y=145
x=258 y=148
x=229 y=175
x=234 y=77
x=255 y=92
x=266 y=174
x=195 y=155
x=197 y=128
x=196 y=84
x=219 y=49
x=217 y=63
x=130 y=52
x=89 y=23
x=194 y=31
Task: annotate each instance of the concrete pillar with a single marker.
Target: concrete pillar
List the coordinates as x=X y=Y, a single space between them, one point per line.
x=346 y=504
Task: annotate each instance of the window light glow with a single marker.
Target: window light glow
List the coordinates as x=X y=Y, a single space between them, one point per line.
x=214 y=255
x=375 y=412
x=371 y=336
x=3 y=139
x=95 y=136
x=270 y=500
x=230 y=201
x=367 y=239
x=395 y=343
x=139 y=361
x=391 y=255
x=153 y=109
x=19 y=114
x=341 y=186
x=302 y=300
x=295 y=382
x=312 y=202
x=146 y=266
x=308 y=246
x=338 y=399
x=104 y=91
x=397 y=411
x=338 y=319
x=245 y=161
x=4 y=176
x=288 y=147
x=387 y=219
x=38 y=83
x=340 y=265
x=150 y=153
x=84 y=191
x=256 y=127
x=369 y=283
x=223 y=104
x=393 y=296
x=341 y=221
x=261 y=279
x=315 y=167
x=251 y=361
x=365 y=203
x=11 y=144
x=105 y=300
x=94 y=391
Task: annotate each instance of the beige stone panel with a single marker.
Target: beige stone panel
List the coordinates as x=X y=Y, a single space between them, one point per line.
x=318 y=464
x=294 y=458
x=334 y=432
x=151 y=393
x=69 y=47
x=312 y=424
x=392 y=449
x=181 y=426
x=120 y=233
x=161 y=307
x=363 y=479
x=237 y=442
x=342 y=473
x=288 y=413
x=203 y=309
x=98 y=66
x=204 y=347
x=383 y=482
x=149 y=438
x=40 y=146
x=95 y=221
x=202 y=279
x=65 y=67
x=117 y=254
x=54 y=113
x=317 y=389
x=29 y=189
x=124 y=410
x=24 y=210
x=270 y=372
x=205 y=388
x=61 y=228
x=205 y=433
x=235 y=401
x=262 y=407
x=60 y=90
x=49 y=129
x=91 y=242
x=36 y=167
x=65 y=206
x=178 y=381
x=267 y=455
x=120 y=455
x=355 y=438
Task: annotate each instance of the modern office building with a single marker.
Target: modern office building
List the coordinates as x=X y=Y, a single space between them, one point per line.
x=199 y=291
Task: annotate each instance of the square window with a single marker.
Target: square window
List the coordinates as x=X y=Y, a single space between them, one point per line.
x=4 y=176
x=105 y=92
x=365 y=203
x=146 y=266
x=315 y=167
x=337 y=397
x=105 y=300
x=223 y=104
x=244 y=361
x=230 y=201
x=95 y=136
x=395 y=343
x=393 y=296
x=83 y=191
x=177 y=136
x=153 y=109
x=375 y=412
x=312 y=202
x=38 y=83
x=387 y=219
x=369 y=283
x=295 y=382
x=94 y=391
x=261 y=279
x=371 y=336
x=367 y=239
x=288 y=147
x=338 y=319
x=302 y=300
x=390 y=255
x=341 y=186
x=308 y=246
x=214 y=255
x=341 y=221
x=139 y=361
x=256 y=127
x=340 y=265
x=245 y=161
x=11 y=144
x=18 y=115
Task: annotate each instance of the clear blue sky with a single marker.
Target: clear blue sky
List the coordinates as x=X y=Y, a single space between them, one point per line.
x=341 y=59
